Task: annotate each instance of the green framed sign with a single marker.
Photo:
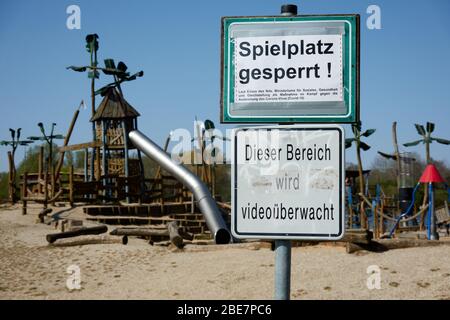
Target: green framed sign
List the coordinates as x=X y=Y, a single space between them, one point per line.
x=283 y=69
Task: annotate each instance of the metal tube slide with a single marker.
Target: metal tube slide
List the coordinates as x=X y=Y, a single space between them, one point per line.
x=206 y=203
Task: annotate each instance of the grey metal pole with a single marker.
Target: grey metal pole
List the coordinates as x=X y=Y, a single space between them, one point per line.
x=282 y=269
x=283 y=247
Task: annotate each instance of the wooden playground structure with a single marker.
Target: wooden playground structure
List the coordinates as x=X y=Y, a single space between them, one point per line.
x=113 y=187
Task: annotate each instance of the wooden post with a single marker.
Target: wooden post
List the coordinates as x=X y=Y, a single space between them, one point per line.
x=66 y=142
x=11 y=186
x=141 y=167
x=71 y=186
x=126 y=169
x=46 y=188
x=375 y=222
x=99 y=168
x=86 y=159
x=162 y=194
x=104 y=162
x=24 y=193
x=41 y=168
x=382 y=218
x=52 y=182
x=350 y=209
x=95 y=157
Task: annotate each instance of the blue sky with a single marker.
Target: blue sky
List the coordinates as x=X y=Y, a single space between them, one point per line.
x=405 y=66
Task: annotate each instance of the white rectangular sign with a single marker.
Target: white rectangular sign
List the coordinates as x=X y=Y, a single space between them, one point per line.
x=296 y=68
x=288 y=182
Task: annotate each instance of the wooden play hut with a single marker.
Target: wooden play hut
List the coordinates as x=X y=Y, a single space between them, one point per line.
x=114 y=119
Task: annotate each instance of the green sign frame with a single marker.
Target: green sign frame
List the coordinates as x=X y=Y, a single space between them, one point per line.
x=351 y=77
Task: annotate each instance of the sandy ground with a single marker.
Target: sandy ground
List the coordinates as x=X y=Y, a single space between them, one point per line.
x=31 y=269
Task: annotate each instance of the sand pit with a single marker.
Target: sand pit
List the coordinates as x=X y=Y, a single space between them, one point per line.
x=31 y=269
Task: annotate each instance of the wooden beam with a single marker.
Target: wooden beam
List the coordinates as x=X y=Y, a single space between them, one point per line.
x=79 y=146
x=88 y=239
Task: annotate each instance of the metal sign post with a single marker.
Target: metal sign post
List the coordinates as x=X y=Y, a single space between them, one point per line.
x=283 y=269
x=288 y=184
x=283 y=248
x=288 y=181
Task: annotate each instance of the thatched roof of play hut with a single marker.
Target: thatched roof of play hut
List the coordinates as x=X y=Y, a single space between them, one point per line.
x=114 y=106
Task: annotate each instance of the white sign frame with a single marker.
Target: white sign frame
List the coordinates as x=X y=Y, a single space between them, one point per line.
x=285 y=109
x=339 y=223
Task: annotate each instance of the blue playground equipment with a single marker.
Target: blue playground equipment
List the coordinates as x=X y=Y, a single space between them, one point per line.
x=430 y=176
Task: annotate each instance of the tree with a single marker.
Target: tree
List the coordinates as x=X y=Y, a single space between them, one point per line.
x=356 y=128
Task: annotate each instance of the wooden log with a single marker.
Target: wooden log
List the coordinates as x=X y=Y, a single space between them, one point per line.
x=353 y=247
x=174 y=234
x=139 y=232
x=373 y=246
x=186 y=235
x=356 y=238
x=83 y=231
x=88 y=239
x=148 y=232
x=44 y=213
